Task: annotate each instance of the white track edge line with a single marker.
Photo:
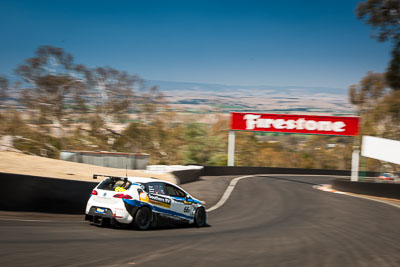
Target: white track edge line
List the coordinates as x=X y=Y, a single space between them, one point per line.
x=32 y=220
x=377 y=200
x=22 y=220
x=228 y=192
x=356 y=196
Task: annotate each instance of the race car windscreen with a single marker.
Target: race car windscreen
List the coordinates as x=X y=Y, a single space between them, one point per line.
x=112 y=184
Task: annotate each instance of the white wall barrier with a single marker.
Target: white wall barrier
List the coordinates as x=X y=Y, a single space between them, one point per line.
x=171 y=168
x=381 y=149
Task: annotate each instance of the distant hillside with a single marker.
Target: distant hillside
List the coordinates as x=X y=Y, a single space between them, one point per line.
x=187 y=86
x=211 y=98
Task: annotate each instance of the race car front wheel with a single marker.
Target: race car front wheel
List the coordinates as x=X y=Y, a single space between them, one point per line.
x=200 y=217
x=143 y=218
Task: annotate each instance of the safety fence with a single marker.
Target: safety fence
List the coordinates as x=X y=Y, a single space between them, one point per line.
x=131 y=161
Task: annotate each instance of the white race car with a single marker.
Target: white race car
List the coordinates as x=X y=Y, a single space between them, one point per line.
x=142 y=202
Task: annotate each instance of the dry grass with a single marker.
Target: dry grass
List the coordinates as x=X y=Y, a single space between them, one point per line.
x=12 y=162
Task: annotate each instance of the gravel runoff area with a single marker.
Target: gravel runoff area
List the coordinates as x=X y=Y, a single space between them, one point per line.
x=19 y=163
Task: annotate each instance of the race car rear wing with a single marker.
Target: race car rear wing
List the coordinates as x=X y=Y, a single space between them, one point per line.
x=109 y=176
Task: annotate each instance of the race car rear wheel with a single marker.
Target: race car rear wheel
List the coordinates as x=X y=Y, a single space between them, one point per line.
x=200 y=217
x=143 y=218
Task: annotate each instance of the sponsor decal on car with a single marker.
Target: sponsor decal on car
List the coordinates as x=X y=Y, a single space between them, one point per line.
x=159 y=200
x=143 y=197
x=100 y=210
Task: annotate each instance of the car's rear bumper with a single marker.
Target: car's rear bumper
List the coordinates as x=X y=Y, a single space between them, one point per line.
x=101 y=220
x=111 y=212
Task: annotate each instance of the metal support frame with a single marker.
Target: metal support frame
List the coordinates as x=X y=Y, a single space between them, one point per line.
x=354 y=162
x=231 y=148
x=354 y=165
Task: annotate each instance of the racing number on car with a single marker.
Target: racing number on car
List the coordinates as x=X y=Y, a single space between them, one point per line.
x=186 y=210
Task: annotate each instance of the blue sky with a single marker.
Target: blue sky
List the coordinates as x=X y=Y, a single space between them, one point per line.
x=298 y=43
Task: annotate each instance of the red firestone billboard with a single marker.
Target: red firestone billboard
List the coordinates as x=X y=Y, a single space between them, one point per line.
x=304 y=124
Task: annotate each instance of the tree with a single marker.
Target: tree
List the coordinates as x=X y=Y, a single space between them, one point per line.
x=149 y=103
x=3 y=95
x=366 y=94
x=378 y=106
x=53 y=83
x=201 y=146
x=393 y=71
x=113 y=91
x=384 y=17
x=3 y=88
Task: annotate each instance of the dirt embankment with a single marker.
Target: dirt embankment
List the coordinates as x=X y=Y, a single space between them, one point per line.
x=12 y=162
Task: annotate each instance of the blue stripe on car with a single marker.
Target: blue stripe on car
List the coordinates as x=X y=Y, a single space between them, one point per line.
x=188 y=200
x=137 y=203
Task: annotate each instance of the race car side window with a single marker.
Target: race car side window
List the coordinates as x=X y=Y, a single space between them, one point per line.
x=155 y=188
x=170 y=190
x=174 y=191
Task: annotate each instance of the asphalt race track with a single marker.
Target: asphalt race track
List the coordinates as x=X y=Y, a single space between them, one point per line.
x=275 y=220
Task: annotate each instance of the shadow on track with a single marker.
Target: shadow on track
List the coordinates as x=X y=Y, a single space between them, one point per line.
x=161 y=226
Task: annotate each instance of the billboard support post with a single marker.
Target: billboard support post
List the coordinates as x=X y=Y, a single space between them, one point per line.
x=354 y=165
x=231 y=148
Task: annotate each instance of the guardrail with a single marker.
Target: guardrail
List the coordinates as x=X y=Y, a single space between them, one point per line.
x=230 y=170
x=187 y=176
x=387 y=190
x=40 y=194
